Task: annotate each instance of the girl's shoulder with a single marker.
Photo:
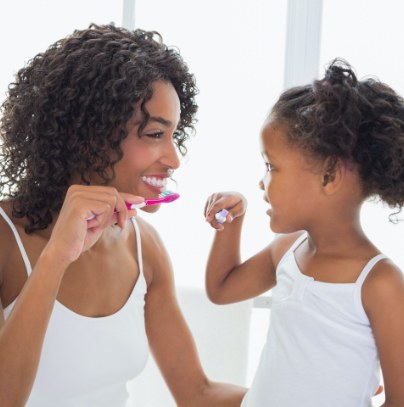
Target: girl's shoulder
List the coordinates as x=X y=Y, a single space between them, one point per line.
x=282 y=243
x=384 y=281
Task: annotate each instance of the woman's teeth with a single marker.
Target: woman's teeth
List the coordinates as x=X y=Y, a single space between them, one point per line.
x=155 y=182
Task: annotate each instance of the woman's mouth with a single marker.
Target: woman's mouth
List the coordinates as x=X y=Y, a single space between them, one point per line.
x=155 y=182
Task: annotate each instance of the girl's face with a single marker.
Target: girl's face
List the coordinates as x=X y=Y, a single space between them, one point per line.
x=149 y=157
x=292 y=186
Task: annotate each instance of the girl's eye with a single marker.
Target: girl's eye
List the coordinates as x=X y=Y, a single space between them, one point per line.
x=269 y=167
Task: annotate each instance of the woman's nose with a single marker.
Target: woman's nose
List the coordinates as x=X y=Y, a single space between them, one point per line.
x=171 y=156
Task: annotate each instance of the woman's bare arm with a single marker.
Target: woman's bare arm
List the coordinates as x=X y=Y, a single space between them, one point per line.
x=172 y=343
x=22 y=334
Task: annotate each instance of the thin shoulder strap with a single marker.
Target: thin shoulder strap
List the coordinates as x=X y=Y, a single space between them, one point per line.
x=359 y=283
x=298 y=242
x=293 y=247
x=367 y=269
x=138 y=245
x=18 y=240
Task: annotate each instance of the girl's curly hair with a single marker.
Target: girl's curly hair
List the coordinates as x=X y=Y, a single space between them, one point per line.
x=66 y=112
x=358 y=121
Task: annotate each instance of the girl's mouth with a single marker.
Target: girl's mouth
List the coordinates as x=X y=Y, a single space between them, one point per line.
x=269 y=211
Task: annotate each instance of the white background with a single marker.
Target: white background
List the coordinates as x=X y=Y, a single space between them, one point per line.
x=236 y=50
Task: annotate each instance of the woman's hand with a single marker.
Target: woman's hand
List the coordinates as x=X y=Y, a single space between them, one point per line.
x=233 y=202
x=77 y=229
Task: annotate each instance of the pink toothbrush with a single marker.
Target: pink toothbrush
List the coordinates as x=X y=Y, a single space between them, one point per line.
x=164 y=197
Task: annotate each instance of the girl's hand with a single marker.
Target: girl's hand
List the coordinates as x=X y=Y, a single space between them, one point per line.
x=76 y=228
x=234 y=203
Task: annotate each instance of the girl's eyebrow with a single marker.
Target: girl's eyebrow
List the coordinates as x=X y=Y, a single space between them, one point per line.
x=265 y=156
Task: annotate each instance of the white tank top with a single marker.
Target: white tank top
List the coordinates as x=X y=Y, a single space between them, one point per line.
x=320 y=349
x=87 y=362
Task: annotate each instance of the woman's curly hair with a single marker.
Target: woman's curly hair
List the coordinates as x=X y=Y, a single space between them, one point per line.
x=66 y=112
x=357 y=121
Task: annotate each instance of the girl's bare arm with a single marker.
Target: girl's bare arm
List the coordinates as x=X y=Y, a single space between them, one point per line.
x=383 y=300
x=228 y=279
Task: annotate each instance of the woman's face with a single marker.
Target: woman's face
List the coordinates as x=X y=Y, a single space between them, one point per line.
x=150 y=156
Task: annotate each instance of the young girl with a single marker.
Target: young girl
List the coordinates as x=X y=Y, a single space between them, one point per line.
x=86 y=288
x=338 y=302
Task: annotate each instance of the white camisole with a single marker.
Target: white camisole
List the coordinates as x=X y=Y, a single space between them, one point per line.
x=87 y=362
x=320 y=349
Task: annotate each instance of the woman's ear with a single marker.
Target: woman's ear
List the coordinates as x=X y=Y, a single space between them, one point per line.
x=332 y=175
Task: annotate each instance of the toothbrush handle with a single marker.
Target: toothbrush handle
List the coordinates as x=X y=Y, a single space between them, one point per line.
x=128 y=205
x=146 y=202
x=137 y=206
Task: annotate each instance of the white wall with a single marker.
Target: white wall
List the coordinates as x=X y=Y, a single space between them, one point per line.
x=30 y=26
x=236 y=52
x=369 y=34
x=236 y=49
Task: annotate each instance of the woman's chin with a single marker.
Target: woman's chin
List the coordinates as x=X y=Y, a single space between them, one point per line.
x=151 y=208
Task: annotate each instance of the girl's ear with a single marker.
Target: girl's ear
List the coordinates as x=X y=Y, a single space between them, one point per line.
x=332 y=175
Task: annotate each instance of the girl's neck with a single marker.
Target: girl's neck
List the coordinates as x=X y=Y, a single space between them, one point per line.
x=338 y=239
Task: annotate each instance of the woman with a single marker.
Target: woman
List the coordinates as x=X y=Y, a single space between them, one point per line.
x=89 y=125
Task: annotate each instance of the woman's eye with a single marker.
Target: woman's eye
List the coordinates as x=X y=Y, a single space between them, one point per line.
x=157 y=135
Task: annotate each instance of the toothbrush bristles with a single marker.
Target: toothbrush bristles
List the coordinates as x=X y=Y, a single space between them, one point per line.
x=169 y=196
x=165 y=193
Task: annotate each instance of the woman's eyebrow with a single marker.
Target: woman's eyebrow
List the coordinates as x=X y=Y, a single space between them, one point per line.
x=160 y=120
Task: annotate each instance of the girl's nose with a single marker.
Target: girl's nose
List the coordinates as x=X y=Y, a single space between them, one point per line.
x=261 y=185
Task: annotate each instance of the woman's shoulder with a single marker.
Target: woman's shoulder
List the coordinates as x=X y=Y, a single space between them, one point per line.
x=149 y=234
x=7 y=238
x=6 y=232
x=8 y=222
x=155 y=255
